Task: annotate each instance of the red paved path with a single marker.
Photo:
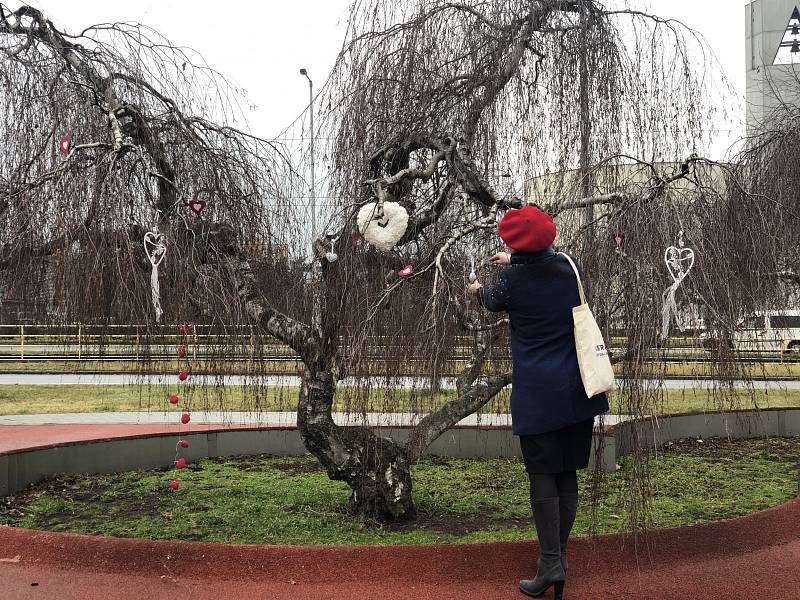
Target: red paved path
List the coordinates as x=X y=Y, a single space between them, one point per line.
x=19 y=437
x=755 y=557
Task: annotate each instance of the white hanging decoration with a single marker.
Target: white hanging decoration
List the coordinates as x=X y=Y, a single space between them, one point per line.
x=473 y=277
x=155 y=246
x=679 y=261
x=385 y=231
x=331 y=256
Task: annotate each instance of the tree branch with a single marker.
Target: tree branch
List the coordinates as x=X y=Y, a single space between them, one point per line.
x=469 y=400
x=296 y=335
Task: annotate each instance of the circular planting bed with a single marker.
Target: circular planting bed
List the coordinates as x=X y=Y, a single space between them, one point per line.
x=290 y=500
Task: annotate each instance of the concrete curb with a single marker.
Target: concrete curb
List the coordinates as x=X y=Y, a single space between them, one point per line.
x=107 y=451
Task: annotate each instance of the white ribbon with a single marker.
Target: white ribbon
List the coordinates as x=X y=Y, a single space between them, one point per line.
x=679 y=262
x=155 y=246
x=156 y=293
x=472 y=275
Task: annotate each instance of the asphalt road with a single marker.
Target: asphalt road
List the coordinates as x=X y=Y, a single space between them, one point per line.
x=294 y=381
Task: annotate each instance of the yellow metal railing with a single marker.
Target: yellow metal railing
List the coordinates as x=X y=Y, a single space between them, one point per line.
x=82 y=341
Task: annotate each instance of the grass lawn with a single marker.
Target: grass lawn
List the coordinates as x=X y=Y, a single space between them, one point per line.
x=281 y=500
x=697 y=400
x=40 y=399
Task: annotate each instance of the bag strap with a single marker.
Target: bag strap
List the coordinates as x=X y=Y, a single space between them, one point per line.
x=577 y=276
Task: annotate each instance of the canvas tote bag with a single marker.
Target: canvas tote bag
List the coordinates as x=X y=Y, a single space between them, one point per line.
x=593 y=361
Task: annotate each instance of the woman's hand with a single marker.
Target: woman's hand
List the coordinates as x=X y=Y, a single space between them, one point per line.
x=473 y=287
x=501 y=258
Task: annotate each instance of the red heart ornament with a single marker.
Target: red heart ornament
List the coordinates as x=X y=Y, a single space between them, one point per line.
x=183 y=375
x=181 y=351
x=197 y=206
x=173 y=399
x=184 y=443
x=619 y=238
x=174 y=485
x=65 y=144
x=180 y=463
x=184 y=329
x=185 y=418
x=406 y=271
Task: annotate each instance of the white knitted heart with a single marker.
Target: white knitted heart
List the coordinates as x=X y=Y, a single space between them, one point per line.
x=383 y=233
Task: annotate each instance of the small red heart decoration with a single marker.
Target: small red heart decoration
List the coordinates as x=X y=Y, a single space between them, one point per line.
x=181 y=351
x=357 y=241
x=65 y=144
x=185 y=418
x=184 y=329
x=174 y=485
x=619 y=238
x=184 y=443
x=180 y=463
x=406 y=271
x=183 y=375
x=173 y=399
x=197 y=206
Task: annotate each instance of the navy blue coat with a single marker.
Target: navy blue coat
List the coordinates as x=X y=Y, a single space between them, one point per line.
x=539 y=291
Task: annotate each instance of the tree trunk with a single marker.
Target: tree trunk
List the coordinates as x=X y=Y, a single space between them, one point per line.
x=375 y=467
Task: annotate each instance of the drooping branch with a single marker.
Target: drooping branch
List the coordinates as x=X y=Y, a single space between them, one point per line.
x=790 y=276
x=612 y=198
x=298 y=336
x=104 y=90
x=469 y=400
x=651 y=191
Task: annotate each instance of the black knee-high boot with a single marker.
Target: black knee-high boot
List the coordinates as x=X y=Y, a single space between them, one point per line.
x=568 y=508
x=546 y=518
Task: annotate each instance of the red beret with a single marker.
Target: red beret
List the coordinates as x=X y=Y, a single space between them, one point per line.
x=527 y=229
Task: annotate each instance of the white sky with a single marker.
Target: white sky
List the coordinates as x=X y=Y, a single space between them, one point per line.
x=261 y=46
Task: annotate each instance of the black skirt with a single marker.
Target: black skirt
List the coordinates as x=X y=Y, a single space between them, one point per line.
x=558 y=451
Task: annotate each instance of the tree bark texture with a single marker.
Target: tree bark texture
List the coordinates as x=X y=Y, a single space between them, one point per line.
x=375 y=467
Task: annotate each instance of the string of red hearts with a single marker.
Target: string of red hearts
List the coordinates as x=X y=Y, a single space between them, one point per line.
x=183 y=375
x=196 y=206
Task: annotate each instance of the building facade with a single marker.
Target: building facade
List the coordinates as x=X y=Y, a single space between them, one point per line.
x=772 y=57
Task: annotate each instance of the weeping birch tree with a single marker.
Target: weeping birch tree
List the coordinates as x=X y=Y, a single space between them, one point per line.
x=430 y=102
x=116 y=133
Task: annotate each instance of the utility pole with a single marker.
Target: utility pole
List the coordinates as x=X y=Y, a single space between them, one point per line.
x=313 y=188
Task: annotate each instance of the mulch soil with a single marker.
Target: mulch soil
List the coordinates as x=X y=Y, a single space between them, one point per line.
x=718 y=448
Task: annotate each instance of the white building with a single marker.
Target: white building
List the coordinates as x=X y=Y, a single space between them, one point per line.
x=772 y=32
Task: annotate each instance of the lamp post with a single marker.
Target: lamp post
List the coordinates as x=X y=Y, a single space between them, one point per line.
x=585 y=126
x=313 y=188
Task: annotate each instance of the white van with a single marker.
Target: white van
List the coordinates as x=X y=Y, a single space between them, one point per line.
x=769 y=331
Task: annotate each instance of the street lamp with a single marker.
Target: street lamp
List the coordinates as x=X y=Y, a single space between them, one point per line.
x=313 y=189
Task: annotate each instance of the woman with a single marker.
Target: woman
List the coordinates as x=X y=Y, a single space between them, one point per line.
x=550 y=411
